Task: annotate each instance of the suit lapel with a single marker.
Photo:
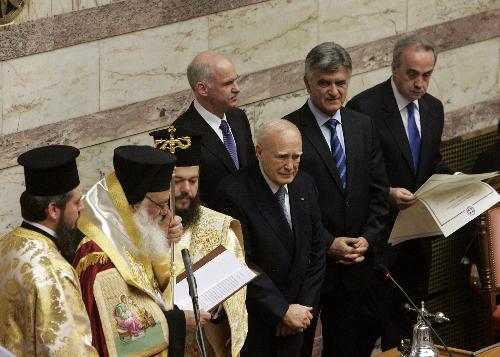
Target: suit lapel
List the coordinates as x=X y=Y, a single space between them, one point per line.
x=270 y=209
x=425 y=134
x=352 y=145
x=297 y=212
x=211 y=141
x=393 y=120
x=312 y=132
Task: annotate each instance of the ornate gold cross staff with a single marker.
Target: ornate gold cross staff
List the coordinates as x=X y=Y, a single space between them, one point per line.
x=171 y=144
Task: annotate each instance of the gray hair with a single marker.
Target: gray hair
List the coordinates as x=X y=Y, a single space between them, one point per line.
x=328 y=57
x=199 y=72
x=413 y=41
x=271 y=126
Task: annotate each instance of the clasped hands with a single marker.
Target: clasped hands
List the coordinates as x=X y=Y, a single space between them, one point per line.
x=348 y=250
x=296 y=319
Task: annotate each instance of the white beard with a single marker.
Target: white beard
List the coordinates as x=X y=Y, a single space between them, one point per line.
x=153 y=242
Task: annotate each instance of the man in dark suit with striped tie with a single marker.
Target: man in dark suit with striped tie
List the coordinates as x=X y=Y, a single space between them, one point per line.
x=277 y=206
x=342 y=153
x=409 y=122
x=226 y=145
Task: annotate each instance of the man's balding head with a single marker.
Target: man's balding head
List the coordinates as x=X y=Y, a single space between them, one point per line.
x=213 y=80
x=278 y=149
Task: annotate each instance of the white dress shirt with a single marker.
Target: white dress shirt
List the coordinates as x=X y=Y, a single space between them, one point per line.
x=322 y=118
x=212 y=120
x=402 y=103
x=274 y=188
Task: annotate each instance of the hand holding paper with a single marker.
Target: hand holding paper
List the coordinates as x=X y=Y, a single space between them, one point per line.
x=445 y=203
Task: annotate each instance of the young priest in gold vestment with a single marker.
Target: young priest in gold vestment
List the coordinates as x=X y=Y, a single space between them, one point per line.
x=41 y=307
x=204 y=230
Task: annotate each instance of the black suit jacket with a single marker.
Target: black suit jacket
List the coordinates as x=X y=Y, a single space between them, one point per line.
x=216 y=163
x=379 y=103
x=361 y=209
x=291 y=264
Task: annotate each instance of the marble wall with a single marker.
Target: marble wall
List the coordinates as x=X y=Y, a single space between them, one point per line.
x=100 y=73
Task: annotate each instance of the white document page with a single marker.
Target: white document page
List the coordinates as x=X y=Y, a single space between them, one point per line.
x=445 y=203
x=217 y=280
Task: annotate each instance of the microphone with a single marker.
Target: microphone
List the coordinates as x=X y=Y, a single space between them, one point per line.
x=193 y=292
x=383 y=269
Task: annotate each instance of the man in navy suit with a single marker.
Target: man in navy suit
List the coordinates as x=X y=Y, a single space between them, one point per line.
x=284 y=240
x=409 y=122
x=342 y=153
x=226 y=144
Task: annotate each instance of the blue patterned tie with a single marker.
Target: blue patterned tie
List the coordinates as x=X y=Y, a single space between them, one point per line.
x=337 y=152
x=280 y=194
x=413 y=136
x=229 y=142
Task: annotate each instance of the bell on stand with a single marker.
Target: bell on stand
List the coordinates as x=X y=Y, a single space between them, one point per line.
x=422 y=344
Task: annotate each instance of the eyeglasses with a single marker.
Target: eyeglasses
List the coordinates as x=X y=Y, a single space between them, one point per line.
x=161 y=205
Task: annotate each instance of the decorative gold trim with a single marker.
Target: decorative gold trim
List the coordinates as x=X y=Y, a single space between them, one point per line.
x=89 y=260
x=91 y=230
x=118 y=254
x=122 y=206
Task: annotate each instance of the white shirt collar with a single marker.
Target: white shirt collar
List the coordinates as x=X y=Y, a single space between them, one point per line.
x=321 y=117
x=400 y=100
x=42 y=227
x=210 y=118
x=274 y=187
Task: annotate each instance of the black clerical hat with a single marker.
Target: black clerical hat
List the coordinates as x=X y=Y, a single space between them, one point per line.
x=184 y=143
x=142 y=169
x=50 y=170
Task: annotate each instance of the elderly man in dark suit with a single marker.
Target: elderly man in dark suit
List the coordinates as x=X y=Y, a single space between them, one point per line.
x=284 y=240
x=409 y=123
x=342 y=153
x=227 y=141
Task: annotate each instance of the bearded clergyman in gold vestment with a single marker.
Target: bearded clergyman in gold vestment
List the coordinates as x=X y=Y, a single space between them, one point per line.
x=204 y=230
x=41 y=307
x=126 y=223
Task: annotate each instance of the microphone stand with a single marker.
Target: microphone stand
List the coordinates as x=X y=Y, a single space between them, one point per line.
x=387 y=274
x=193 y=292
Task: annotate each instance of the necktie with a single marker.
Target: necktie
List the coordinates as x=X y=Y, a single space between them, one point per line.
x=413 y=136
x=337 y=152
x=229 y=142
x=280 y=195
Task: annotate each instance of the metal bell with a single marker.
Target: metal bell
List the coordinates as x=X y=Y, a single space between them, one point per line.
x=422 y=344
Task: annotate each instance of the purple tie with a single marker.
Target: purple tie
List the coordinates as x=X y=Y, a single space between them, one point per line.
x=229 y=142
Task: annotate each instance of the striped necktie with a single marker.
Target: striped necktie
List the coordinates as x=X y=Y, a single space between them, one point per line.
x=280 y=195
x=229 y=142
x=413 y=136
x=337 y=152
